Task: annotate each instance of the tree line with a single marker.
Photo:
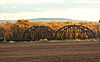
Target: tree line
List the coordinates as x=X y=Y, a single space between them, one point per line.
x=14 y=31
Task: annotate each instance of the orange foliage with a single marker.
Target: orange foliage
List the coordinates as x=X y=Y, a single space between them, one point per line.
x=15 y=30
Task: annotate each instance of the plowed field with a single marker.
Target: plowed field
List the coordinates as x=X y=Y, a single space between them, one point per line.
x=50 y=52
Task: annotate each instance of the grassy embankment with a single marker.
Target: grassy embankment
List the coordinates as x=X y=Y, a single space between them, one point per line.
x=45 y=40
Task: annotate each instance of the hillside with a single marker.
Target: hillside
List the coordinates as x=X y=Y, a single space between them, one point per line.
x=46 y=20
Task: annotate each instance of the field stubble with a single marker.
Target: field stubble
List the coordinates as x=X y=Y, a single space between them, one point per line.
x=50 y=52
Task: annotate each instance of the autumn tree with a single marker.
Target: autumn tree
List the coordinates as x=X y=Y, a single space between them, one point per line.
x=18 y=28
x=14 y=31
x=2 y=32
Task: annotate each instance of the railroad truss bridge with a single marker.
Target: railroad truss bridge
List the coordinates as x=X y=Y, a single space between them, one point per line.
x=66 y=32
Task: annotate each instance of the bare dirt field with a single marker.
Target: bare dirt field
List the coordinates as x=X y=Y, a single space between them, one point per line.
x=50 y=52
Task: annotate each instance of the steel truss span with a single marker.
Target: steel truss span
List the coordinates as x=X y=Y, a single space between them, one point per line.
x=39 y=32
x=66 y=32
x=74 y=32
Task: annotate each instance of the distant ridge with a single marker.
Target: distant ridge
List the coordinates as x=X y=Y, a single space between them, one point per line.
x=4 y=21
x=46 y=20
x=50 y=19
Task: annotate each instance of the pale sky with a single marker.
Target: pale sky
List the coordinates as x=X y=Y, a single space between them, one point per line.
x=28 y=9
